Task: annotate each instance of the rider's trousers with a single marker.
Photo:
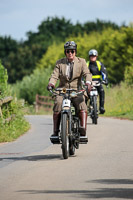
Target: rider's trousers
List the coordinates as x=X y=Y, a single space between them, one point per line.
x=101 y=96
x=56 y=123
x=78 y=102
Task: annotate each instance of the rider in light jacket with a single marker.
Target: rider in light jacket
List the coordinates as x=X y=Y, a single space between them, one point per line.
x=69 y=71
x=99 y=73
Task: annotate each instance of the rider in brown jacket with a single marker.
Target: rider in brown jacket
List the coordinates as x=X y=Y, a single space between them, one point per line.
x=69 y=71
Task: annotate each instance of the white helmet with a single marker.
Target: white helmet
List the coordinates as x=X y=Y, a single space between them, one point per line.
x=93 y=52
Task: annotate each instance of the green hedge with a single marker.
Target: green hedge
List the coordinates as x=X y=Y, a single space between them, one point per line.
x=10 y=130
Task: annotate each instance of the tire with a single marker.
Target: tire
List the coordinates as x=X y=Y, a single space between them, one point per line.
x=95 y=116
x=71 y=146
x=64 y=135
x=72 y=150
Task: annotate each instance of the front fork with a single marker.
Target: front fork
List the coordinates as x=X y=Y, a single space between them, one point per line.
x=73 y=137
x=68 y=112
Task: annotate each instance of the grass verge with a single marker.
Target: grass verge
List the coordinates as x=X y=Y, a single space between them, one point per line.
x=12 y=130
x=119 y=101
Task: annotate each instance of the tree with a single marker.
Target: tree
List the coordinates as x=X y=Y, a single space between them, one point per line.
x=116 y=51
x=20 y=58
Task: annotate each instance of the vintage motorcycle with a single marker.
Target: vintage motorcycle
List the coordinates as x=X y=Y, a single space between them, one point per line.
x=93 y=104
x=92 y=108
x=69 y=136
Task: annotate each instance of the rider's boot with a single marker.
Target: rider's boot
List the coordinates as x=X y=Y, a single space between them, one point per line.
x=83 y=124
x=56 y=124
x=102 y=110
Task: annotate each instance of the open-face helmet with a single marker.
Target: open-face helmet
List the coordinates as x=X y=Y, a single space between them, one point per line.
x=93 y=52
x=70 y=45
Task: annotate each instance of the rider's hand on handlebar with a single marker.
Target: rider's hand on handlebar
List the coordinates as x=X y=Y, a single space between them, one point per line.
x=89 y=87
x=50 y=86
x=105 y=82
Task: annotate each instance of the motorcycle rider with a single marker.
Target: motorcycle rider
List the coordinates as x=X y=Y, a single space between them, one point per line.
x=69 y=72
x=99 y=73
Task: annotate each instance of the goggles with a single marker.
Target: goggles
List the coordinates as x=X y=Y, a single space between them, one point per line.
x=68 y=51
x=70 y=43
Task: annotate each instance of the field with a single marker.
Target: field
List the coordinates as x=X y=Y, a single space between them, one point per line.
x=119 y=101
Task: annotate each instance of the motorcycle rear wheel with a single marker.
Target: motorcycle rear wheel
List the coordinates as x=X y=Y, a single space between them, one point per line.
x=71 y=148
x=72 y=151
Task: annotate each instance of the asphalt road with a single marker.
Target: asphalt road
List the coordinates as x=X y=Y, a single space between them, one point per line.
x=32 y=168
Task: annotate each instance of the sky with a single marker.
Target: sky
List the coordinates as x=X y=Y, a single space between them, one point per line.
x=17 y=17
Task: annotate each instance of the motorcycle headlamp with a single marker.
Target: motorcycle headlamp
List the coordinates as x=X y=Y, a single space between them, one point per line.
x=64 y=90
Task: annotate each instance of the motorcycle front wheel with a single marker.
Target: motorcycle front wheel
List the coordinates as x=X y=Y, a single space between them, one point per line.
x=65 y=135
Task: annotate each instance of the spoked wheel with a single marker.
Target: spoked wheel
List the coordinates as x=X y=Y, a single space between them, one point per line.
x=95 y=115
x=64 y=136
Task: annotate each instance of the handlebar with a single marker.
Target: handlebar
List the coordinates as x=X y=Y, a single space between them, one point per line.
x=64 y=91
x=98 y=83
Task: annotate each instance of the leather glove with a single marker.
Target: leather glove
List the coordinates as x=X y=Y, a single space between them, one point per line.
x=50 y=86
x=89 y=87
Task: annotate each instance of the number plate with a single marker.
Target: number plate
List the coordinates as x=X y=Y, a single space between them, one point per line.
x=93 y=93
x=66 y=103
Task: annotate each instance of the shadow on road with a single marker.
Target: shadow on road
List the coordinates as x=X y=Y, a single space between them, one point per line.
x=113 y=181
x=99 y=193
x=34 y=157
x=121 y=192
